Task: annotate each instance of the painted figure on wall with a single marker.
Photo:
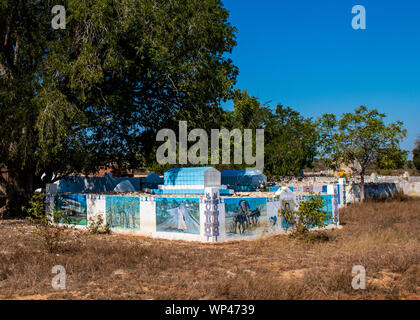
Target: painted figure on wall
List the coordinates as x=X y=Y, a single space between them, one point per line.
x=123 y=212
x=178 y=215
x=75 y=207
x=286 y=206
x=181 y=219
x=245 y=216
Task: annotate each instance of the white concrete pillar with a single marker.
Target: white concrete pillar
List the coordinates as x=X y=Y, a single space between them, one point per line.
x=211 y=224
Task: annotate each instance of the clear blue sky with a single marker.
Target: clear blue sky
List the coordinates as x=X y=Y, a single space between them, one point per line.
x=306 y=55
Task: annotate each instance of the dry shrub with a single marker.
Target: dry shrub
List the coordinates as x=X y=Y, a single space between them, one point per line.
x=4 y=267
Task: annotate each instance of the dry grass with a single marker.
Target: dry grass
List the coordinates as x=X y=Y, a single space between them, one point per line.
x=382 y=236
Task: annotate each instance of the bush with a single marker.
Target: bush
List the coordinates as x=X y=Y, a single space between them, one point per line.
x=97 y=225
x=47 y=225
x=309 y=215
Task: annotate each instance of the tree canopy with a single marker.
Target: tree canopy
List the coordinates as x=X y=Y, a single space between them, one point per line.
x=97 y=92
x=291 y=142
x=360 y=139
x=74 y=99
x=416 y=155
x=290 y=139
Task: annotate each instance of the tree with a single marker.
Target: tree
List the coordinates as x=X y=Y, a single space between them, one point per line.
x=359 y=139
x=416 y=155
x=95 y=93
x=291 y=142
x=392 y=159
x=248 y=112
x=290 y=139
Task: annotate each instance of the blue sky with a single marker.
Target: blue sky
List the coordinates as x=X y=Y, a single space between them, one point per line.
x=306 y=55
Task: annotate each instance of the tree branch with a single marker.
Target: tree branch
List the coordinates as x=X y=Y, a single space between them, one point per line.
x=3 y=72
x=2 y=211
x=3 y=183
x=16 y=53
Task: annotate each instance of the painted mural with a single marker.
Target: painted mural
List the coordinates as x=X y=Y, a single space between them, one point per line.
x=75 y=207
x=123 y=212
x=328 y=207
x=246 y=216
x=275 y=220
x=178 y=215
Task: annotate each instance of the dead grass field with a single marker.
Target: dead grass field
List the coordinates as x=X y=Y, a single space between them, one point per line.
x=384 y=237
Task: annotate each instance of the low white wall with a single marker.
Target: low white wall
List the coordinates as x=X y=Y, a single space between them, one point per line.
x=95 y=207
x=411 y=188
x=382 y=190
x=142 y=220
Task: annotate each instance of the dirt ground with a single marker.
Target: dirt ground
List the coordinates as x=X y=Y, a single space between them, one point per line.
x=383 y=237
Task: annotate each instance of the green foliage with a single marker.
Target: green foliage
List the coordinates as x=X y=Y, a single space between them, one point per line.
x=308 y=215
x=361 y=139
x=97 y=92
x=392 y=159
x=248 y=113
x=290 y=139
x=291 y=142
x=416 y=155
x=46 y=224
x=409 y=164
x=97 y=225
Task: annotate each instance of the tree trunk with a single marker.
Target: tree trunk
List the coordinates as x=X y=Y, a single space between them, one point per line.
x=19 y=190
x=2 y=211
x=362 y=187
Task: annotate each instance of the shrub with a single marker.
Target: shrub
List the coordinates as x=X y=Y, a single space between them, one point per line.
x=97 y=225
x=308 y=215
x=47 y=224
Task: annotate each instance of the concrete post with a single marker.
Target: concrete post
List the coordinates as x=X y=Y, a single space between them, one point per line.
x=211 y=212
x=50 y=192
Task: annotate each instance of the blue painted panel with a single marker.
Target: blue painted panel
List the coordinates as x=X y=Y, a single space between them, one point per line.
x=75 y=207
x=181 y=215
x=123 y=212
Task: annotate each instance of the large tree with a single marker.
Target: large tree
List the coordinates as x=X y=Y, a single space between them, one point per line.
x=416 y=154
x=291 y=142
x=359 y=139
x=97 y=92
x=290 y=139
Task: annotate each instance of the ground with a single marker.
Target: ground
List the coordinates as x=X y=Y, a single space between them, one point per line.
x=383 y=237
